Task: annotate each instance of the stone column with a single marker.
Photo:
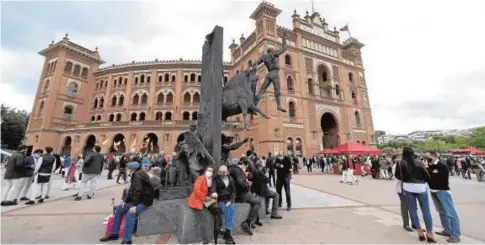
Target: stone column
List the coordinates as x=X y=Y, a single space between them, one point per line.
x=209 y=121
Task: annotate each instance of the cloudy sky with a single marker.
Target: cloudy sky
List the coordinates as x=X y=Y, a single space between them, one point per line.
x=424 y=60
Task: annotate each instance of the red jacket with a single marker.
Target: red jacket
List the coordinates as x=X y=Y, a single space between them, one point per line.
x=199 y=193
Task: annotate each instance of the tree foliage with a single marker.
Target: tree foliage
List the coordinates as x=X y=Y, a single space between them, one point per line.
x=14 y=124
x=442 y=143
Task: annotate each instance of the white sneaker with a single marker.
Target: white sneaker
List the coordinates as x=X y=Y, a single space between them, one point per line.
x=105 y=223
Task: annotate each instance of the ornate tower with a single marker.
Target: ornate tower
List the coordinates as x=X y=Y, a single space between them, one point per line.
x=265 y=17
x=63 y=95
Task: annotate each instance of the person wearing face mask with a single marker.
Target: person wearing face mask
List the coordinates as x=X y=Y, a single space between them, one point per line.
x=200 y=199
x=441 y=196
x=43 y=171
x=223 y=185
x=30 y=162
x=139 y=196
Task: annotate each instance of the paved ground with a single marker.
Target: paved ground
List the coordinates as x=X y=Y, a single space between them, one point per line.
x=324 y=212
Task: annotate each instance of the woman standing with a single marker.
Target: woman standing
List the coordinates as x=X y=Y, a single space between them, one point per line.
x=415 y=178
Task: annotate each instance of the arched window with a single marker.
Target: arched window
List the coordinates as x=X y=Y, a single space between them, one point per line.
x=168 y=116
x=289 y=84
x=93 y=118
x=115 y=82
x=133 y=116
x=250 y=64
x=98 y=118
x=173 y=78
x=298 y=147
x=186 y=78
x=310 y=86
x=46 y=85
x=136 y=99
x=225 y=80
x=160 y=98
x=148 y=79
x=113 y=100
x=354 y=95
x=84 y=73
x=186 y=98
x=95 y=103
x=142 y=116
x=48 y=69
x=199 y=78
x=118 y=117
x=142 y=79
x=192 y=77
x=72 y=89
x=106 y=83
x=357 y=118
x=67 y=113
x=351 y=77
x=68 y=67
x=101 y=102
x=291 y=109
x=121 y=100
x=120 y=80
x=126 y=81
x=167 y=77
x=160 y=78
x=337 y=90
x=158 y=115
x=41 y=108
x=136 y=80
x=111 y=117
x=196 y=98
x=186 y=115
x=194 y=115
x=289 y=145
x=288 y=60
x=364 y=143
x=169 y=99
x=77 y=70
x=144 y=99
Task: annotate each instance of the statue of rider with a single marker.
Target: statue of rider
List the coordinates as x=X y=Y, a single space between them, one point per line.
x=228 y=146
x=271 y=61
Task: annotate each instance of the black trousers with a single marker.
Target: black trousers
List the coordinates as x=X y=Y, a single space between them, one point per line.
x=272 y=177
x=309 y=168
x=280 y=183
x=110 y=173
x=121 y=171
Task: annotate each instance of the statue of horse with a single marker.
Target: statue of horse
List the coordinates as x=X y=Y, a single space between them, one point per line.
x=238 y=96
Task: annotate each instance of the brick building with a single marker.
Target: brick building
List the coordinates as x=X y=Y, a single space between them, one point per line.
x=150 y=104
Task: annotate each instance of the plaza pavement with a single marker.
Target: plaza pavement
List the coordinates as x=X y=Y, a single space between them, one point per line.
x=324 y=211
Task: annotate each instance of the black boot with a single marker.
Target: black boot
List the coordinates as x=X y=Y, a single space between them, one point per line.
x=109 y=238
x=228 y=238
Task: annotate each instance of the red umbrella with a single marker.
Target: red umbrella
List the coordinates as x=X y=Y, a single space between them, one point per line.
x=470 y=149
x=356 y=149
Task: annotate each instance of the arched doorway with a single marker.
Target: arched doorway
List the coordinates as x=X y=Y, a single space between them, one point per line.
x=358 y=141
x=118 y=145
x=180 y=138
x=150 y=144
x=298 y=147
x=89 y=145
x=364 y=143
x=328 y=123
x=289 y=146
x=66 y=146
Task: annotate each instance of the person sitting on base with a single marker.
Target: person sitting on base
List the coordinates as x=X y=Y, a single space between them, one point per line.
x=223 y=185
x=140 y=196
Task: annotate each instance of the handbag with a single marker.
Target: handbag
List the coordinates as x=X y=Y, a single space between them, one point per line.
x=209 y=202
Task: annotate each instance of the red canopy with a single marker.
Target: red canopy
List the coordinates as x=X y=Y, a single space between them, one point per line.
x=356 y=149
x=470 y=149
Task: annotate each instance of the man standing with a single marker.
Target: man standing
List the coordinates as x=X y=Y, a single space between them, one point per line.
x=122 y=168
x=44 y=168
x=271 y=61
x=283 y=178
x=30 y=162
x=440 y=193
x=270 y=164
x=13 y=176
x=91 y=171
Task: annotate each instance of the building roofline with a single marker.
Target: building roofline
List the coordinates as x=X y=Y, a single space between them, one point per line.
x=155 y=62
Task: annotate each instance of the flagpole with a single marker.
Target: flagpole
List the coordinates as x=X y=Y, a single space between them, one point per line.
x=348 y=29
x=313 y=6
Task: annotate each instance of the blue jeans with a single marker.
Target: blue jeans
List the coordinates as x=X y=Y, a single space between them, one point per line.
x=423 y=200
x=448 y=216
x=228 y=213
x=130 y=220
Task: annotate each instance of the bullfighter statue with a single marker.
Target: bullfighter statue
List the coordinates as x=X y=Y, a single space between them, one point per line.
x=228 y=146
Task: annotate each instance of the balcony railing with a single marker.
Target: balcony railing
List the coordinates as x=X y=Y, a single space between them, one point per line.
x=141 y=124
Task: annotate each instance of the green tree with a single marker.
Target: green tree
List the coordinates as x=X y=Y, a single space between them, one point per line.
x=477 y=138
x=14 y=124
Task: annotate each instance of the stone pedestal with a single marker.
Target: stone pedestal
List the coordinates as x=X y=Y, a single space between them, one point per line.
x=160 y=218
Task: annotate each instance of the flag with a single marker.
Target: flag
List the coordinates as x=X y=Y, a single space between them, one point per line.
x=345 y=28
x=105 y=142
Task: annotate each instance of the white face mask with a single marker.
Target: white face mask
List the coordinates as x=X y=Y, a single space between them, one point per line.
x=208 y=174
x=36 y=155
